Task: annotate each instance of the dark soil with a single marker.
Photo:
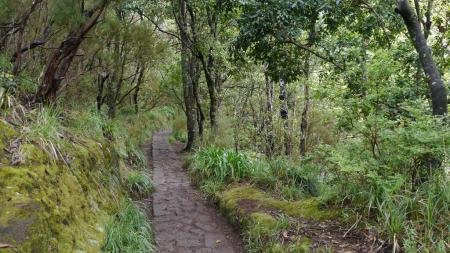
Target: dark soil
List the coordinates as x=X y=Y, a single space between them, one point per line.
x=328 y=234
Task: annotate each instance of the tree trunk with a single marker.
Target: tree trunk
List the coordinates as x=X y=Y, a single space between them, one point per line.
x=212 y=101
x=115 y=85
x=436 y=86
x=62 y=57
x=18 y=58
x=304 y=123
x=208 y=64
x=189 y=97
x=101 y=79
x=110 y=97
x=138 y=87
x=200 y=114
x=270 y=145
x=284 y=114
x=200 y=118
x=21 y=29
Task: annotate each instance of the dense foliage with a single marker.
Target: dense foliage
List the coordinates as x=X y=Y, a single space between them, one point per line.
x=344 y=102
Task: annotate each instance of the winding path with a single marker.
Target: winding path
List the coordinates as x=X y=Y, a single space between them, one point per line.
x=184 y=222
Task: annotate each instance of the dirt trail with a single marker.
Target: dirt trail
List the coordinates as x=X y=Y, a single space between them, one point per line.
x=184 y=222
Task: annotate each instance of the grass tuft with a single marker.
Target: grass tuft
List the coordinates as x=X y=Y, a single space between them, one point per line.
x=139 y=184
x=221 y=165
x=130 y=232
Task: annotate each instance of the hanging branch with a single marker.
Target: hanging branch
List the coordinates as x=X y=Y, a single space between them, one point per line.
x=36 y=43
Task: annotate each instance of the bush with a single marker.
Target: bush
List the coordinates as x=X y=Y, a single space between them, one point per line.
x=129 y=232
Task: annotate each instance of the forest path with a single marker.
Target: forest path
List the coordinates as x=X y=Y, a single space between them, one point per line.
x=183 y=221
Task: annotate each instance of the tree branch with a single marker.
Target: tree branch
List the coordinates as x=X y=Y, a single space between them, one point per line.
x=306 y=48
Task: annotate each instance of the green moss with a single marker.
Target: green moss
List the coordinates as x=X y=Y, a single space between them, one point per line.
x=6 y=132
x=307 y=208
x=248 y=205
x=301 y=246
x=55 y=208
x=265 y=222
x=34 y=155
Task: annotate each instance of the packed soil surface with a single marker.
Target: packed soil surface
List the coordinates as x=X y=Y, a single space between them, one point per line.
x=183 y=220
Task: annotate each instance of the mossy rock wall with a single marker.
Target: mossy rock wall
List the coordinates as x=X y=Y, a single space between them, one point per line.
x=60 y=204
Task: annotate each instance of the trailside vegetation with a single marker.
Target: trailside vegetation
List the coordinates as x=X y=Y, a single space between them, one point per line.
x=301 y=118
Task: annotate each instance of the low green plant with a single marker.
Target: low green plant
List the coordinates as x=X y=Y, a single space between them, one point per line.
x=179 y=136
x=45 y=124
x=87 y=122
x=294 y=176
x=139 y=184
x=291 y=193
x=130 y=232
x=211 y=188
x=221 y=165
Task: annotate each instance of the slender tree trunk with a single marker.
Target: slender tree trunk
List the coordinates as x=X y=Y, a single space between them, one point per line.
x=115 y=84
x=438 y=92
x=21 y=29
x=270 y=144
x=62 y=57
x=36 y=43
x=101 y=79
x=138 y=88
x=195 y=83
x=200 y=118
x=284 y=114
x=18 y=58
x=212 y=103
x=189 y=98
x=195 y=76
x=211 y=66
x=304 y=123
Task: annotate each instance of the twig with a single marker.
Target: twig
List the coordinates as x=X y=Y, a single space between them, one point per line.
x=353 y=226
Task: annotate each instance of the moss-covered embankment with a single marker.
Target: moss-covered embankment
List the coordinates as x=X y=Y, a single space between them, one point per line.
x=268 y=223
x=56 y=198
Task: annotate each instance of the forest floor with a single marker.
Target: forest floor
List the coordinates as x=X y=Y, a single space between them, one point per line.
x=183 y=220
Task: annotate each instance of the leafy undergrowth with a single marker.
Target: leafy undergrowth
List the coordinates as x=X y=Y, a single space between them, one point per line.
x=65 y=178
x=284 y=207
x=270 y=219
